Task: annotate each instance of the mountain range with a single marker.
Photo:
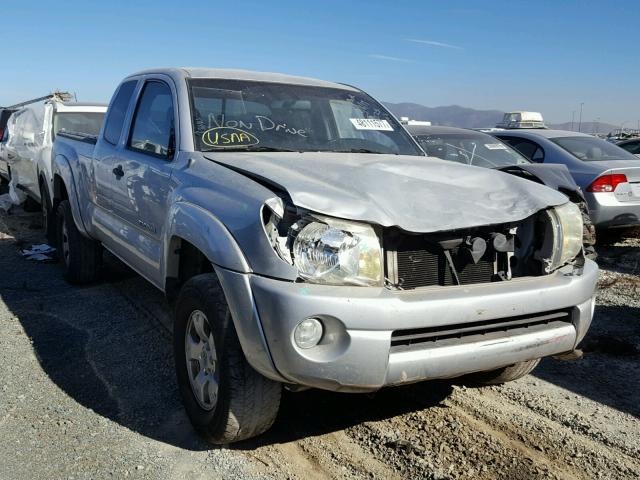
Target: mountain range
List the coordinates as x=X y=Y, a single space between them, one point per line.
x=457 y=116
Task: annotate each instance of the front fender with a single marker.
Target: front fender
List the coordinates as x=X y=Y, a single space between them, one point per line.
x=207 y=233
x=63 y=180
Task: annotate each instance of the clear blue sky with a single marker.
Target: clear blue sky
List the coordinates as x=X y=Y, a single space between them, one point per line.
x=537 y=55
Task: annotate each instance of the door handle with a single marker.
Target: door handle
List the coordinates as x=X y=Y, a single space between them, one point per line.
x=118 y=171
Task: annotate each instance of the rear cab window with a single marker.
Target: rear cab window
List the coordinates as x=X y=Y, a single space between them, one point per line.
x=88 y=123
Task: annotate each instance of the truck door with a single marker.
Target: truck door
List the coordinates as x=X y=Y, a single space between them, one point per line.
x=109 y=147
x=140 y=192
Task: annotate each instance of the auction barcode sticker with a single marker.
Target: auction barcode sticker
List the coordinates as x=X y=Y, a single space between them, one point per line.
x=495 y=146
x=371 y=124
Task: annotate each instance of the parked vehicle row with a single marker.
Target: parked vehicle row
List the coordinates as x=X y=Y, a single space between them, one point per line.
x=632 y=145
x=306 y=240
x=608 y=175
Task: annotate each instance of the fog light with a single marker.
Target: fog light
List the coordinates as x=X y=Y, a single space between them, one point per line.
x=308 y=333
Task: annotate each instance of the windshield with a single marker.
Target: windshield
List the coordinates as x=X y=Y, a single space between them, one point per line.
x=88 y=123
x=247 y=115
x=470 y=148
x=592 y=149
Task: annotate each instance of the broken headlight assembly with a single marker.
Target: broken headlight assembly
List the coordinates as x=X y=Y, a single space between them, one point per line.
x=323 y=249
x=337 y=252
x=563 y=236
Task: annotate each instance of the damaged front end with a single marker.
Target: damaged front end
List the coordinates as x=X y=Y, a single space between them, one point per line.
x=332 y=251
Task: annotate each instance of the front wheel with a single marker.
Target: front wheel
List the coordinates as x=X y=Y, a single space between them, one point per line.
x=225 y=398
x=504 y=374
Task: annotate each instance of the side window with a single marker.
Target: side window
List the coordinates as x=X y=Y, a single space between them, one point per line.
x=117 y=111
x=529 y=149
x=153 y=124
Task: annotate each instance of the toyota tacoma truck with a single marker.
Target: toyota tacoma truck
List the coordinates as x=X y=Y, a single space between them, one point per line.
x=306 y=241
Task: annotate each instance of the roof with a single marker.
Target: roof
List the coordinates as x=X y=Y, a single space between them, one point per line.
x=542 y=132
x=84 y=107
x=439 y=130
x=233 y=74
x=84 y=104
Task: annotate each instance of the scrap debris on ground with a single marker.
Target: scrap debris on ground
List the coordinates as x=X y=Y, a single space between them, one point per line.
x=40 y=253
x=87 y=391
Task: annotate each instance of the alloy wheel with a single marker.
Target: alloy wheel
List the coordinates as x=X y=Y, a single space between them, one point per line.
x=202 y=360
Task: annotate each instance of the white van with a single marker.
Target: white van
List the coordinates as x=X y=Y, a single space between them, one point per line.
x=32 y=131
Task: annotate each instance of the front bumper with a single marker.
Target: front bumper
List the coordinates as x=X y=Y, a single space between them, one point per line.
x=607 y=211
x=356 y=353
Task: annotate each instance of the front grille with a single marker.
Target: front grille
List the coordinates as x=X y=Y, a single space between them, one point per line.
x=421 y=268
x=431 y=335
x=414 y=261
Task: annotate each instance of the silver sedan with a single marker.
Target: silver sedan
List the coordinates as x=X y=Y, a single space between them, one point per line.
x=608 y=175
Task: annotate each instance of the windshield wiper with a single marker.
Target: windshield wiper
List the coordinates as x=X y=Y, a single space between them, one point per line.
x=252 y=148
x=357 y=150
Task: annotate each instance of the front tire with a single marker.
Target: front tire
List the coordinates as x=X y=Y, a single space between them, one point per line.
x=225 y=398
x=504 y=374
x=80 y=256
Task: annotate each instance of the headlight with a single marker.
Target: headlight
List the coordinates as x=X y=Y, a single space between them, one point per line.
x=566 y=222
x=338 y=252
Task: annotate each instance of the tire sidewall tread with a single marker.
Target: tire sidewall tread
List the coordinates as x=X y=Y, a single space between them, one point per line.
x=84 y=253
x=247 y=402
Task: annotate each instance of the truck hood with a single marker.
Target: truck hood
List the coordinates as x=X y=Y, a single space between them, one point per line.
x=416 y=194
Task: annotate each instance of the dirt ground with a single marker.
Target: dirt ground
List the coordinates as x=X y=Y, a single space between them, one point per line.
x=87 y=390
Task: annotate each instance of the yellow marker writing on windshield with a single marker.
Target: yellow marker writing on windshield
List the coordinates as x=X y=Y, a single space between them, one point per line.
x=225 y=137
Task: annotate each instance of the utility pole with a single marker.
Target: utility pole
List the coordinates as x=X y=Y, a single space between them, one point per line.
x=580 y=121
x=597 y=125
x=573 y=117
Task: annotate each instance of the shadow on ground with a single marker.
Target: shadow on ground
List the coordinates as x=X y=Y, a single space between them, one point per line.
x=316 y=412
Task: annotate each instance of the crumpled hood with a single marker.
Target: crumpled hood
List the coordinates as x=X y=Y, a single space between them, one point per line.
x=417 y=194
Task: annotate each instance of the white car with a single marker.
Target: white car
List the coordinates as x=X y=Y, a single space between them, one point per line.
x=28 y=151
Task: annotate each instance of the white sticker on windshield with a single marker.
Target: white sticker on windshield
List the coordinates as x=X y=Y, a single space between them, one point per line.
x=495 y=146
x=371 y=124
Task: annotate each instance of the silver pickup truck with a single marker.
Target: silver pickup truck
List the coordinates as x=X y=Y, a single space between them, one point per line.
x=306 y=240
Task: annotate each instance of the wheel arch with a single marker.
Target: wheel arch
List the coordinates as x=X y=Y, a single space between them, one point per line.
x=197 y=242
x=64 y=189
x=192 y=229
